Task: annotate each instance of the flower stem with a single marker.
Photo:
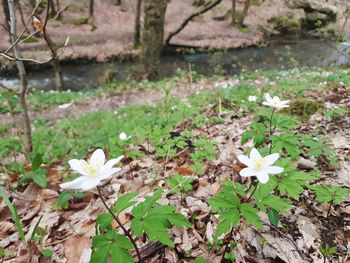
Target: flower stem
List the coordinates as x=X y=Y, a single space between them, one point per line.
x=329 y=209
x=226 y=246
x=251 y=195
x=271 y=130
x=126 y=232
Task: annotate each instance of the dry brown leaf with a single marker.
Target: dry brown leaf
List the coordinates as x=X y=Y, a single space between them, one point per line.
x=77 y=247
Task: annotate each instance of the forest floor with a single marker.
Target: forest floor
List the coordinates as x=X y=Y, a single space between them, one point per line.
x=211 y=120
x=114 y=32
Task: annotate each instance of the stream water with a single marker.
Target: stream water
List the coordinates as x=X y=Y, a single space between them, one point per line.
x=277 y=55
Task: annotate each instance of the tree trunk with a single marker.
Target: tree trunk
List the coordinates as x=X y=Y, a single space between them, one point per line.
x=58 y=74
x=153 y=36
x=137 y=36
x=244 y=13
x=23 y=77
x=53 y=8
x=233 y=12
x=91 y=9
x=5 y=8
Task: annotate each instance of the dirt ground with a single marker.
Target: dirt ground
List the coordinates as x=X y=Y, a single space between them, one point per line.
x=114 y=31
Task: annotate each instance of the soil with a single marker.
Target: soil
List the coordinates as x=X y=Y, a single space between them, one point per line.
x=113 y=33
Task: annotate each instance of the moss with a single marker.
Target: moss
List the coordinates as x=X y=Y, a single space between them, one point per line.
x=80 y=21
x=288 y=25
x=304 y=107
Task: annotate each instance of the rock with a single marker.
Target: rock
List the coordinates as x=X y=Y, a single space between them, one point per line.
x=306 y=164
x=290 y=22
x=315 y=5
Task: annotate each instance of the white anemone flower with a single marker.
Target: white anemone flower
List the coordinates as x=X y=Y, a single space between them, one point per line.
x=259 y=166
x=124 y=137
x=252 y=98
x=275 y=102
x=92 y=171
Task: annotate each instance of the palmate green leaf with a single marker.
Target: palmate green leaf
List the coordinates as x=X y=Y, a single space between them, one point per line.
x=179 y=183
x=142 y=208
x=123 y=201
x=284 y=122
x=111 y=245
x=154 y=220
x=257 y=133
x=103 y=221
x=329 y=193
x=288 y=142
x=225 y=200
x=63 y=200
x=250 y=214
x=228 y=220
x=15 y=216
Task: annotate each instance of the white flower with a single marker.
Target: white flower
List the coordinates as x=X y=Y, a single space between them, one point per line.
x=92 y=171
x=252 y=98
x=124 y=137
x=65 y=106
x=275 y=102
x=259 y=166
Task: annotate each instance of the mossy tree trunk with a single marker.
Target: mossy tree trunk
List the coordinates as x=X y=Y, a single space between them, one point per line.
x=233 y=12
x=137 y=34
x=5 y=8
x=244 y=13
x=153 y=36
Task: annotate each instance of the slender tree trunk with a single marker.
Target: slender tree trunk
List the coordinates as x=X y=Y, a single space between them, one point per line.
x=153 y=37
x=53 y=8
x=58 y=74
x=233 y=12
x=5 y=8
x=137 y=36
x=245 y=12
x=91 y=9
x=23 y=78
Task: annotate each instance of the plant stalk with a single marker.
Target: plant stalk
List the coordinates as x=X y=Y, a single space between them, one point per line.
x=126 y=232
x=271 y=130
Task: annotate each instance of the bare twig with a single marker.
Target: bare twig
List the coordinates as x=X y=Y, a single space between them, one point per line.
x=189 y=19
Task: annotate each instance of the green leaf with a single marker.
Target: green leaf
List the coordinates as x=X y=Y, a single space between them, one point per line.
x=120 y=255
x=103 y=221
x=257 y=133
x=179 y=183
x=15 y=216
x=273 y=217
x=329 y=193
x=123 y=202
x=37 y=162
x=46 y=252
x=100 y=255
x=228 y=220
x=63 y=200
x=198 y=260
x=40 y=178
x=225 y=200
x=154 y=220
x=288 y=142
x=251 y=215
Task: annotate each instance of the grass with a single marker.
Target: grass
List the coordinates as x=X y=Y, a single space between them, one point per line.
x=60 y=140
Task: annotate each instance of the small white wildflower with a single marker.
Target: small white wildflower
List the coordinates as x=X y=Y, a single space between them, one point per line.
x=123 y=136
x=252 y=98
x=92 y=171
x=65 y=106
x=275 y=102
x=259 y=166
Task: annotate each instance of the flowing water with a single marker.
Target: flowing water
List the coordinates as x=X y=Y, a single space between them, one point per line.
x=277 y=55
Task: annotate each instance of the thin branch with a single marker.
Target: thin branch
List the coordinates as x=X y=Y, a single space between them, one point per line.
x=25 y=28
x=188 y=19
x=7 y=88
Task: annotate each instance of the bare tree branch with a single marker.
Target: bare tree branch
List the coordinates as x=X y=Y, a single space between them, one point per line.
x=188 y=19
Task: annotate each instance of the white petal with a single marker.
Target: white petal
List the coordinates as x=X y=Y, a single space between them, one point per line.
x=268 y=97
x=75 y=165
x=274 y=170
x=108 y=165
x=263 y=178
x=254 y=154
x=267 y=103
x=75 y=184
x=247 y=172
x=108 y=173
x=245 y=160
x=90 y=183
x=98 y=158
x=271 y=159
